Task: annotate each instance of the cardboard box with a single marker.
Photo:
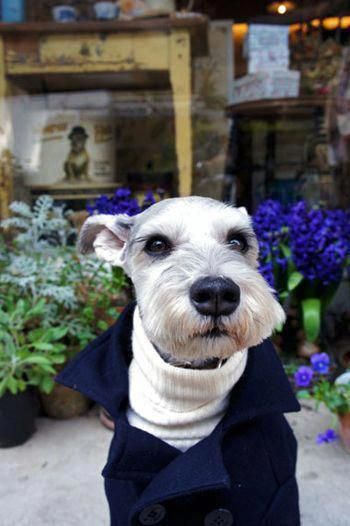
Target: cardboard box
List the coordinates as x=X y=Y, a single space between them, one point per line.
x=263 y=36
x=268 y=60
x=267 y=85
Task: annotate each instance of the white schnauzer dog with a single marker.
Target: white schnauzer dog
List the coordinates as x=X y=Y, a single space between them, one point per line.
x=200 y=300
x=167 y=372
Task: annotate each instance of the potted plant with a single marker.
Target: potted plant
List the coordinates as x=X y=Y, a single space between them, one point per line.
x=84 y=294
x=336 y=397
x=313 y=381
x=29 y=353
x=97 y=291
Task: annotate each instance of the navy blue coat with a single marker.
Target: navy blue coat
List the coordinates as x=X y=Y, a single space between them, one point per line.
x=242 y=474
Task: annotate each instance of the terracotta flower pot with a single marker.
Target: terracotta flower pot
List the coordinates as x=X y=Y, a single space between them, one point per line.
x=344 y=430
x=63 y=403
x=307 y=349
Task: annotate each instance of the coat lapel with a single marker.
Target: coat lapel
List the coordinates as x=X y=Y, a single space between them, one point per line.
x=101 y=370
x=263 y=389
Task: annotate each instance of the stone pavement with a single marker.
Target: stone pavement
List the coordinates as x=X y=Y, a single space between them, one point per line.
x=54 y=478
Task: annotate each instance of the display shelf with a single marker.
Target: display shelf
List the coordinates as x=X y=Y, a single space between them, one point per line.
x=272 y=107
x=197 y=25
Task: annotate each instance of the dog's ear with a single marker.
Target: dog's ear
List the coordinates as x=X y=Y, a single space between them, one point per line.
x=105 y=235
x=243 y=210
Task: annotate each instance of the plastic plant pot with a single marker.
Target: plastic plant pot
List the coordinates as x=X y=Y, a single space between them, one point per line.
x=17 y=418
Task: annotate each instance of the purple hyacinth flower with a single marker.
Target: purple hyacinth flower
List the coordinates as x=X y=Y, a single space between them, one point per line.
x=327 y=437
x=303 y=376
x=123 y=193
x=121 y=202
x=319 y=240
x=148 y=200
x=320 y=362
x=269 y=223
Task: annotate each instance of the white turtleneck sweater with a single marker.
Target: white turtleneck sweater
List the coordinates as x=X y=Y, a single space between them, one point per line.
x=180 y=406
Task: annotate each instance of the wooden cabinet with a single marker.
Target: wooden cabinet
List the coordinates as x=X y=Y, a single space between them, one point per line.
x=99 y=54
x=281 y=148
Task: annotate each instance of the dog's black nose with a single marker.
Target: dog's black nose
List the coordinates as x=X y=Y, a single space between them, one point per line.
x=215 y=296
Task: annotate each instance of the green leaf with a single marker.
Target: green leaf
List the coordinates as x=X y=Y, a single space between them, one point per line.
x=47 y=384
x=59 y=358
x=37 y=309
x=59 y=347
x=294 y=280
x=3 y=386
x=303 y=394
x=43 y=346
x=34 y=381
x=8 y=342
x=102 y=325
x=279 y=327
x=4 y=318
x=21 y=385
x=283 y=295
x=311 y=310
x=12 y=385
x=48 y=369
x=36 y=334
x=37 y=360
x=56 y=333
x=286 y=251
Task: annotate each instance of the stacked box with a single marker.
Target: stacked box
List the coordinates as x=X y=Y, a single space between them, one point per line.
x=267 y=85
x=268 y=60
x=267 y=51
x=267 y=48
x=264 y=36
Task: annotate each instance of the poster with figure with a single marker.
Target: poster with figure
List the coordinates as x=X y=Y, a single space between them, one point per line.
x=74 y=147
x=83 y=146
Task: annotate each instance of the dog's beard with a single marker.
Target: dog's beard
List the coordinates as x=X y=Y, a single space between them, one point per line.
x=178 y=331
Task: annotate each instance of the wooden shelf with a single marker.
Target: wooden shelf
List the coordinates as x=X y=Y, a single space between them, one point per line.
x=71 y=192
x=96 y=26
x=275 y=107
x=93 y=185
x=196 y=25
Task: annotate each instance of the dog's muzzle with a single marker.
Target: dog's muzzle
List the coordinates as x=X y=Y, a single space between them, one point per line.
x=215 y=296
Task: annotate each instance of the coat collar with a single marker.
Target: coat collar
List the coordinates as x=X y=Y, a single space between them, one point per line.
x=101 y=373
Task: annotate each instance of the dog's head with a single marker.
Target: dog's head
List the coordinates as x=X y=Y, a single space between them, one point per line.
x=193 y=262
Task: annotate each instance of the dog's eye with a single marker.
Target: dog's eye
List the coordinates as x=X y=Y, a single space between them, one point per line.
x=237 y=242
x=157 y=245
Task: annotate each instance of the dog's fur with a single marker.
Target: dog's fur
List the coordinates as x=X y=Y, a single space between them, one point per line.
x=197 y=228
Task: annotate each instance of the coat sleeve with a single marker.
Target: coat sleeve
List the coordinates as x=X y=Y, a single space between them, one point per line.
x=284 y=509
x=281 y=447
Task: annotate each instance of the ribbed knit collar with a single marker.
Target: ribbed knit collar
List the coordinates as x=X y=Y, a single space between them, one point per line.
x=179 y=406
x=180 y=389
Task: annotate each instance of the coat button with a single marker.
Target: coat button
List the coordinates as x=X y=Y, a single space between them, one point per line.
x=152 y=515
x=219 y=517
